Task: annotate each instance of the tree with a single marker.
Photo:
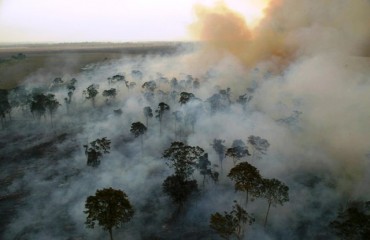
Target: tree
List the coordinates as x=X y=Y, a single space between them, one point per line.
x=19 y=97
x=182 y=158
x=179 y=189
x=38 y=105
x=161 y=110
x=352 y=221
x=108 y=208
x=149 y=86
x=5 y=107
x=91 y=92
x=259 y=146
x=110 y=93
x=148 y=113
x=237 y=151
x=138 y=130
x=185 y=97
x=246 y=178
x=219 y=149
x=275 y=192
x=231 y=223
x=246 y=98
x=205 y=169
x=51 y=104
x=96 y=150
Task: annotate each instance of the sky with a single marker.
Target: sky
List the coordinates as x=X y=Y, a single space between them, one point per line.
x=106 y=20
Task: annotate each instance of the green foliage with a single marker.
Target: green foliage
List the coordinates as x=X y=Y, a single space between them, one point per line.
x=182 y=158
x=231 y=223
x=179 y=189
x=353 y=222
x=246 y=178
x=237 y=151
x=38 y=105
x=223 y=224
x=91 y=91
x=138 y=129
x=108 y=208
x=185 y=97
x=51 y=104
x=162 y=108
x=110 y=93
x=274 y=191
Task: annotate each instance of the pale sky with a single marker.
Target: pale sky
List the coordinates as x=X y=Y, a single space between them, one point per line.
x=103 y=20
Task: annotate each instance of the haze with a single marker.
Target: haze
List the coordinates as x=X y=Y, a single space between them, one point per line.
x=23 y=21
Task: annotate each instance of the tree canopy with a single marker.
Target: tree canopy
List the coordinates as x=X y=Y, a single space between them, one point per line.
x=182 y=158
x=246 y=178
x=108 y=208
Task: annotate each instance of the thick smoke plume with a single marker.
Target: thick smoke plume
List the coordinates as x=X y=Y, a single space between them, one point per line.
x=299 y=79
x=289 y=30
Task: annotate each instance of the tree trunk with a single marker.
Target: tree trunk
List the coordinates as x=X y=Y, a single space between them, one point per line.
x=110 y=233
x=268 y=209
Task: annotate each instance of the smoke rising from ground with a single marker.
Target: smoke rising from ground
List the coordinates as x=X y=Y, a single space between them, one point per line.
x=289 y=30
x=305 y=66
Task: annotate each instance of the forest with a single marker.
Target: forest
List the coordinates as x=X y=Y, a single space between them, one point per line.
x=165 y=146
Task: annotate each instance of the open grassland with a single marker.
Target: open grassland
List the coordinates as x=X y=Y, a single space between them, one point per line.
x=61 y=59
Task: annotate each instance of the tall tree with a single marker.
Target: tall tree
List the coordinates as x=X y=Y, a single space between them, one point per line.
x=91 y=92
x=38 y=105
x=246 y=178
x=182 y=158
x=110 y=94
x=352 y=221
x=275 y=192
x=231 y=223
x=108 y=208
x=19 y=97
x=259 y=146
x=161 y=110
x=219 y=148
x=96 y=150
x=51 y=104
x=237 y=151
x=138 y=130
x=204 y=166
x=5 y=107
x=148 y=113
x=185 y=97
x=179 y=189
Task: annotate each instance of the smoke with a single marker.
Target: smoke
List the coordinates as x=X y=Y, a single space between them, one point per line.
x=305 y=67
x=289 y=30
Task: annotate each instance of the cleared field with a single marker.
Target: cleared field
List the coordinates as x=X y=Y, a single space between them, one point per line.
x=59 y=59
